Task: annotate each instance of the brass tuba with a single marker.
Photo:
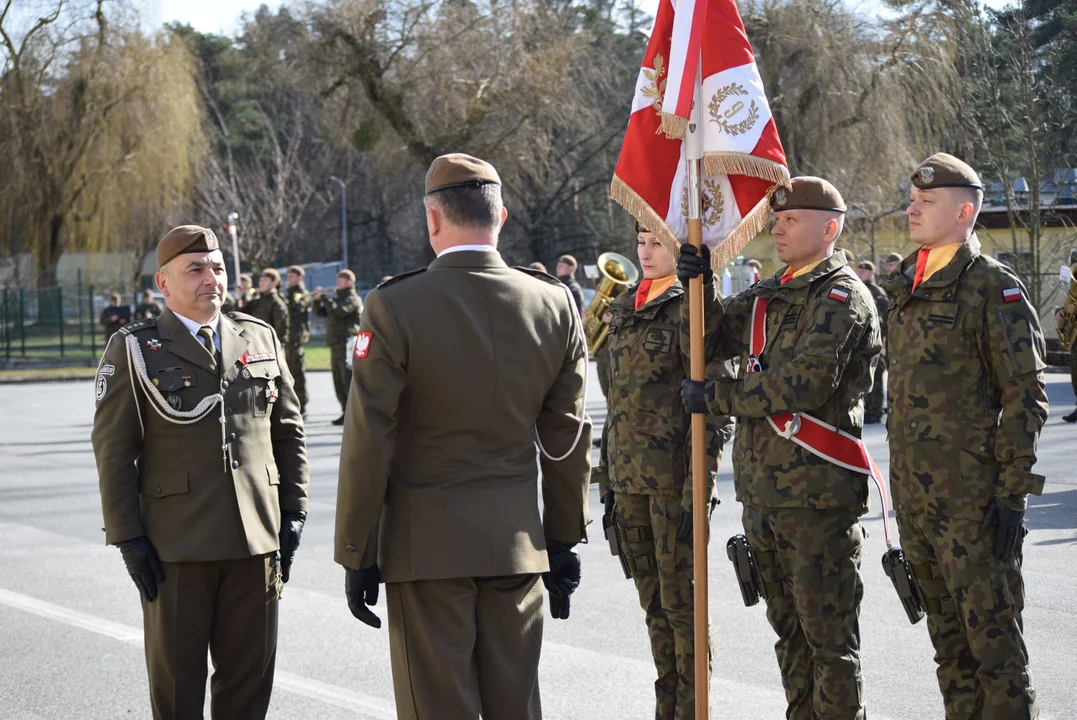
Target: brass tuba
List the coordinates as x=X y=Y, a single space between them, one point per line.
x=618 y=273
x=1067 y=323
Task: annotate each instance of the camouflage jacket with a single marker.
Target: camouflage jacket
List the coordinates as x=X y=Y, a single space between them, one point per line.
x=646 y=446
x=882 y=307
x=299 y=304
x=823 y=343
x=966 y=392
x=270 y=308
x=344 y=311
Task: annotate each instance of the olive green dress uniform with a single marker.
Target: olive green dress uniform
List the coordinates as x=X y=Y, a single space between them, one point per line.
x=270 y=308
x=344 y=310
x=438 y=477
x=646 y=461
x=967 y=403
x=299 y=305
x=873 y=402
x=212 y=517
x=801 y=512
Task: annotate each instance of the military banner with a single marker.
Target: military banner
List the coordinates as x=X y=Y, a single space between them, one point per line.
x=701 y=41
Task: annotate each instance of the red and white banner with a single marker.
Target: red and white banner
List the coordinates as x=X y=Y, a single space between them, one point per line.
x=743 y=159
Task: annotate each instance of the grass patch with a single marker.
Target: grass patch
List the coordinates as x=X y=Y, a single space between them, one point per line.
x=60 y=373
x=316 y=357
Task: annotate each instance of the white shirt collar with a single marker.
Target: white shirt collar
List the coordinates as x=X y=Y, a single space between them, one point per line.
x=463 y=248
x=194 y=327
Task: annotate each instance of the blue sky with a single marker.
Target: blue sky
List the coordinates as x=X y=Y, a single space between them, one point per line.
x=223 y=15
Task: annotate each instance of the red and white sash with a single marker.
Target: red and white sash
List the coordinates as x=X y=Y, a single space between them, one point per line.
x=817 y=437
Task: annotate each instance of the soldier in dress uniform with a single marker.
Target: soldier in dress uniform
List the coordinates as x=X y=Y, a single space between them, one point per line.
x=269 y=306
x=455 y=366
x=148 y=308
x=967 y=403
x=801 y=509
x=645 y=473
x=343 y=311
x=299 y=304
x=203 y=472
x=873 y=402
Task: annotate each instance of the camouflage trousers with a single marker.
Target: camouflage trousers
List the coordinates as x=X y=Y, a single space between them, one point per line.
x=810 y=564
x=342 y=374
x=294 y=356
x=662 y=571
x=973 y=602
x=873 y=401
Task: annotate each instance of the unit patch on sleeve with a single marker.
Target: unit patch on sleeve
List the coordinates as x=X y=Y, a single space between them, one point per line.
x=839 y=295
x=362 y=345
x=1011 y=294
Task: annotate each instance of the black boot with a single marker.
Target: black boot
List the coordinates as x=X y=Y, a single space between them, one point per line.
x=1072 y=417
x=339 y=420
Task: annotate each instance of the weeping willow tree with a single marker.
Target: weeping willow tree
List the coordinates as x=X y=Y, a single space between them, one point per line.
x=101 y=132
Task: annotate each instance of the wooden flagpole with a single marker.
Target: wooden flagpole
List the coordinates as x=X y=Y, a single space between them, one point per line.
x=694 y=157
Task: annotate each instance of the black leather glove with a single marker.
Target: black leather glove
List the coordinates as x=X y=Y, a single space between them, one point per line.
x=563 y=577
x=1009 y=527
x=361 y=589
x=143 y=566
x=684 y=525
x=608 y=501
x=291 y=527
x=694 y=395
x=693 y=263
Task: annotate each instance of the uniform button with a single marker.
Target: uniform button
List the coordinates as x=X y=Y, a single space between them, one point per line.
x=624 y=337
x=912 y=424
x=900 y=506
x=983 y=448
x=231 y=437
x=224 y=384
x=893 y=361
x=235 y=464
x=228 y=411
x=158 y=491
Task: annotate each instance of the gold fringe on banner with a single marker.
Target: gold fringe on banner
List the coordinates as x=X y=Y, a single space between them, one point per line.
x=627 y=198
x=749 y=227
x=735 y=163
x=673 y=126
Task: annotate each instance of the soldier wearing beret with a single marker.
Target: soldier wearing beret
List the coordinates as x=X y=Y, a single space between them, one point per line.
x=455 y=366
x=299 y=305
x=820 y=343
x=203 y=473
x=269 y=306
x=243 y=295
x=873 y=402
x=343 y=311
x=566 y=273
x=967 y=403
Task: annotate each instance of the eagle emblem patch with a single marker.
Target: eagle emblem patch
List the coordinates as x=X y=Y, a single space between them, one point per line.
x=362 y=345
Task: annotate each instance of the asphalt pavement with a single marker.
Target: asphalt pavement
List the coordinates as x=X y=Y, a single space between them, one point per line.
x=70 y=621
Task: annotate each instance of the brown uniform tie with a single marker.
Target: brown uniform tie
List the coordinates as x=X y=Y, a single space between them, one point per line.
x=205 y=333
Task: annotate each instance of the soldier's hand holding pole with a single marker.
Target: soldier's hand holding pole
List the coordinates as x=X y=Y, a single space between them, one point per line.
x=361 y=589
x=291 y=527
x=563 y=577
x=143 y=566
x=694 y=262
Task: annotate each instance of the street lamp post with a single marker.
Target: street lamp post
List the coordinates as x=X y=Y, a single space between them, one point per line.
x=343 y=220
x=231 y=229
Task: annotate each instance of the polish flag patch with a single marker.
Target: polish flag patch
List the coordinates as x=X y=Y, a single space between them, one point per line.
x=1011 y=294
x=362 y=345
x=839 y=295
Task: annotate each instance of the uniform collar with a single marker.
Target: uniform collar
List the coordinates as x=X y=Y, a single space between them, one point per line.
x=903 y=276
x=194 y=326
x=463 y=256
x=467 y=248
x=627 y=300
x=828 y=266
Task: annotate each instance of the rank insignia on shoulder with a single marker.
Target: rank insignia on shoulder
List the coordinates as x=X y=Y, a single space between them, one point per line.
x=839 y=295
x=1011 y=294
x=153 y=344
x=362 y=344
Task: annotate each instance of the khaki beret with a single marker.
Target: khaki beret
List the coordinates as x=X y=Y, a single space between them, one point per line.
x=185 y=239
x=568 y=260
x=298 y=270
x=866 y=265
x=893 y=257
x=347 y=275
x=271 y=274
x=808 y=193
x=459 y=170
x=246 y=277
x=943 y=170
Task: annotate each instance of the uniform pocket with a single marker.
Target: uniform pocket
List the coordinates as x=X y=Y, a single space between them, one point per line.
x=165 y=484
x=273 y=473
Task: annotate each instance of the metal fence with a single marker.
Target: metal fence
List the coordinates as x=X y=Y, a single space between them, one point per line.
x=51 y=325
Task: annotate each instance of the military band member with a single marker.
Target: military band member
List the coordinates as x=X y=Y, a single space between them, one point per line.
x=115 y=316
x=343 y=311
x=203 y=473
x=566 y=273
x=967 y=403
x=241 y=297
x=873 y=401
x=801 y=511
x=299 y=304
x=455 y=365
x=269 y=306
x=149 y=307
x=645 y=472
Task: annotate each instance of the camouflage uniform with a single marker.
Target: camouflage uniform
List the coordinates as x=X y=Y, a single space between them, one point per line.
x=800 y=511
x=270 y=308
x=299 y=304
x=646 y=461
x=343 y=311
x=967 y=402
x=873 y=401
